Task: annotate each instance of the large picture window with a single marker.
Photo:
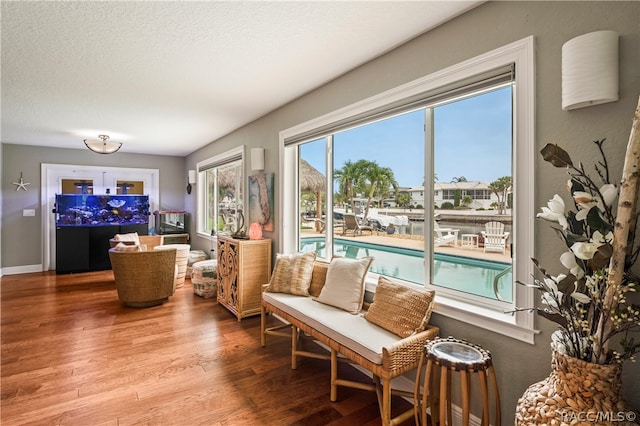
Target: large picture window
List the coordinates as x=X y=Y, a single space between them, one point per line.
x=433 y=180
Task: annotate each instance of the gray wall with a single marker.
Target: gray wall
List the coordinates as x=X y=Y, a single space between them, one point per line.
x=22 y=236
x=490 y=26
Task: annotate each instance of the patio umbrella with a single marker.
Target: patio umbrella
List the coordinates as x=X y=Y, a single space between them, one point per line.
x=311 y=180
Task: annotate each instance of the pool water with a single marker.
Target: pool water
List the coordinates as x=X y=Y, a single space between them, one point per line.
x=470 y=275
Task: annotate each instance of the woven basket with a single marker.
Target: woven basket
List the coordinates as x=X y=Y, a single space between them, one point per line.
x=576 y=392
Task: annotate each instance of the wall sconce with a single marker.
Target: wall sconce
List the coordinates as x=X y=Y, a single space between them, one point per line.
x=191 y=180
x=257 y=158
x=590 y=70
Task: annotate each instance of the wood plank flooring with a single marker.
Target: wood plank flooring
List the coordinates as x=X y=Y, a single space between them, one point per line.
x=73 y=354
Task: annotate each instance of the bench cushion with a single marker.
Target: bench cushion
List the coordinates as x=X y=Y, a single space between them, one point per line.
x=400 y=309
x=351 y=331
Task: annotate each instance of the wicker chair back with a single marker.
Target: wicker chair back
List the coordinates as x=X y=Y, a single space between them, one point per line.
x=144 y=278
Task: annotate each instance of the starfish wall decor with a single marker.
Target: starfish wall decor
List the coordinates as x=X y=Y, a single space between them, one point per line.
x=21 y=183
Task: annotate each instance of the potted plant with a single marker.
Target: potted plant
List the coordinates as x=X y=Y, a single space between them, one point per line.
x=592 y=301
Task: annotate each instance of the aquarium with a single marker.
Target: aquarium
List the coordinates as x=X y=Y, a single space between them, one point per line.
x=171 y=222
x=99 y=210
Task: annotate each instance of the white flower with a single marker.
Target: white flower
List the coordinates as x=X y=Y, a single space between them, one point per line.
x=553 y=297
x=583 y=212
x=580 y=297
x=609 y=193
x=584 y=199
x=568 y=260
x=555 y=212
x=587 y=201
x=585 y=250
x=597 y=237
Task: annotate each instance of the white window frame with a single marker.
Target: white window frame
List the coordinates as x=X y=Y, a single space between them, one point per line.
x=202 y=188
x=518 y=325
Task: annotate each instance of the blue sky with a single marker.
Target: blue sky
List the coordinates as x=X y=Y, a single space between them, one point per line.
x=472 y=139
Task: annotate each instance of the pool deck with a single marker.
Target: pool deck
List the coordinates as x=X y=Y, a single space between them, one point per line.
x=418 y=244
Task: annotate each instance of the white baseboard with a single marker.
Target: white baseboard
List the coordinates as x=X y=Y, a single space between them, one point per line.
x=25 y=269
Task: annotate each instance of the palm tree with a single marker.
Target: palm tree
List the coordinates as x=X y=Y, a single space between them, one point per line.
x=501 y=188
x=348 y=177
x=378 y=180
x=403 y=199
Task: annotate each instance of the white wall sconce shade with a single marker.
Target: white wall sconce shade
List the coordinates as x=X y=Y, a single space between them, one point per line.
x=102 y=146
x=257 y=158
x=191 y=180
x=590 y=70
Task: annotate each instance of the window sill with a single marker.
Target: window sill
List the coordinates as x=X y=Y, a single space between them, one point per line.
x=477 y=316
x=488 y=319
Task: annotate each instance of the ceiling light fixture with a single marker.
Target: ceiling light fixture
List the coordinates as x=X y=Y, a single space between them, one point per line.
x=102 y=146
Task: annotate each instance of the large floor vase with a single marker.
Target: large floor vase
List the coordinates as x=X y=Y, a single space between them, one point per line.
x=575 y=393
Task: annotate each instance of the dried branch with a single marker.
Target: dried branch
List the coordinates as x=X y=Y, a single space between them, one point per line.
x=625 y=218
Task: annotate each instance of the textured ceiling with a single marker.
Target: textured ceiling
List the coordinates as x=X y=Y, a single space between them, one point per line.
x=170 y=77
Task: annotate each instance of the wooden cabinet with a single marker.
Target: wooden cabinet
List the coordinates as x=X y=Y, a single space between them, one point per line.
x=243 y=267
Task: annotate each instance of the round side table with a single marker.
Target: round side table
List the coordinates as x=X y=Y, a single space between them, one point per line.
x=446 y=356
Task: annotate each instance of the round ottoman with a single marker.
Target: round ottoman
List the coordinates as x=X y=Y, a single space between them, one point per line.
x=182 y=253
x=204 y=277
x=194 y=256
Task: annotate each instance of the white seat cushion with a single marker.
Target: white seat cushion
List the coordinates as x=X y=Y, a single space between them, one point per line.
x=351 y=331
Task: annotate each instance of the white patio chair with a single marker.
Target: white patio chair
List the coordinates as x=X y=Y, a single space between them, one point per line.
x=445 y=236
x=495 y=239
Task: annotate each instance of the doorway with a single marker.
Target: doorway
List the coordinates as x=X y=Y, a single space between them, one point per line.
x=97 y=179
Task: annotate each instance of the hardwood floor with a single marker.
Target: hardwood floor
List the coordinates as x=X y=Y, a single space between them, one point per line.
x=73 y=354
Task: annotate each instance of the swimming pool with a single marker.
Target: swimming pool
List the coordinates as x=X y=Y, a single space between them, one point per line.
x=474 y=276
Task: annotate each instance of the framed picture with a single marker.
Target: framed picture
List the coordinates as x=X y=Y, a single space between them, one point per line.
x=261 y=200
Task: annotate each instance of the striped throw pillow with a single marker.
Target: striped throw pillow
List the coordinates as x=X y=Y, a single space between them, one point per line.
x=292 y=273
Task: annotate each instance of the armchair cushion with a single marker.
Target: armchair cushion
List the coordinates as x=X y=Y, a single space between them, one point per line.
x=133 y=236
x=127 y=247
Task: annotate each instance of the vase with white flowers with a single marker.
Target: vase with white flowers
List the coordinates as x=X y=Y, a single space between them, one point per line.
x=592 y=301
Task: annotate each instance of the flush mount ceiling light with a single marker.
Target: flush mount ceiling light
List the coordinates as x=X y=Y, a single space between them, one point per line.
x=102 y=146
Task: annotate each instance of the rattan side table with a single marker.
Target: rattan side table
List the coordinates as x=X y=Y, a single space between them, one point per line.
x=446 y=356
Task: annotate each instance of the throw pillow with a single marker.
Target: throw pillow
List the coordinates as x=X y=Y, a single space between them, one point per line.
x=292 y=273
x=133 y=236
x=400 y=309
x=127 y=247
x=344 y=285
x=318 y=277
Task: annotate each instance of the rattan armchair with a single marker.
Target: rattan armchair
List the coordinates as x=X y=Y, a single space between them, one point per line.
x=143 y=278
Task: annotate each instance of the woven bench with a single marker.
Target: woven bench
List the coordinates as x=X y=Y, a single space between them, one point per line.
x=350 y=338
